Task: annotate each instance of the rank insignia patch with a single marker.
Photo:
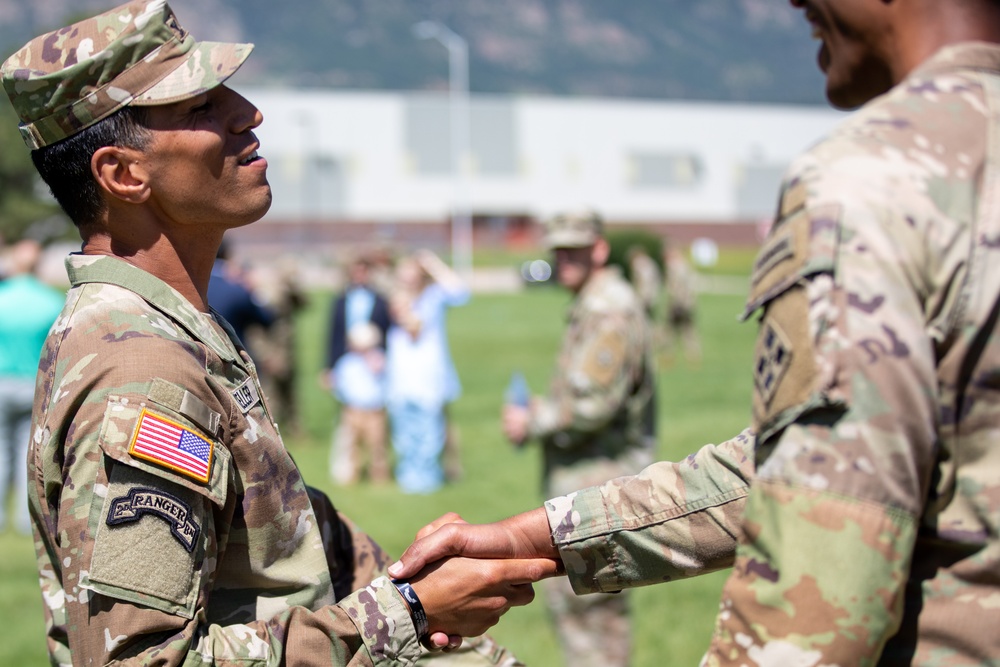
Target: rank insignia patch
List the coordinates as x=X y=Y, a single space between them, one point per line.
x=174 y=511
x=774 y=356
x=169 y=444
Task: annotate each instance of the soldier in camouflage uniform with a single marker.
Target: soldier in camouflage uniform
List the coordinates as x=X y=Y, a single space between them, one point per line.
x=870 y=532
x=172 y=527
x=597 y=422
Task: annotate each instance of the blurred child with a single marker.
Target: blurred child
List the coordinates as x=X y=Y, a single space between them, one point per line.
x=358 y=381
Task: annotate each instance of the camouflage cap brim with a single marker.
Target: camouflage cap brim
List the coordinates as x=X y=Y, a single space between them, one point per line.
x=206 y=66
x=567 y=238
x=578 y=229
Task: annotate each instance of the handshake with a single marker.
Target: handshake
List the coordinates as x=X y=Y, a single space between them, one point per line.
x=467 y=576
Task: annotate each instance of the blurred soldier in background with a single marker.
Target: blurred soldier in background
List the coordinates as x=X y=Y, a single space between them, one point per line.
x=598 y=420
x=647 y=280
x=279 y=290
x=680 y=329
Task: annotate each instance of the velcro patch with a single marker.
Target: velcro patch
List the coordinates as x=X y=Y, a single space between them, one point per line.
x=140 y=502
x=785 y=369
x=160 y=440
x=604 y=358
x=773 y=359
x=793 y=198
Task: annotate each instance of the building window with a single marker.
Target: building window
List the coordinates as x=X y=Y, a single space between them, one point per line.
x=664 y=170
x=492 y=135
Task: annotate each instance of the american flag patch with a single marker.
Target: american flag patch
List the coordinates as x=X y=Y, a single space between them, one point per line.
x=169 y=444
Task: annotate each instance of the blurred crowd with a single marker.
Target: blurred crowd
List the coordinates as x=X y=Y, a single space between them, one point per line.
x=386 y=361
x=386 y=358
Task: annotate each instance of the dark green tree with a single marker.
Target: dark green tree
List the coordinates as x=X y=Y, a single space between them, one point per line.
x=26 y=208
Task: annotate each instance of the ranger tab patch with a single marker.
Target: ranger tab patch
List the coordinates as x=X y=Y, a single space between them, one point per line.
x=169 y=444
x=174 y=511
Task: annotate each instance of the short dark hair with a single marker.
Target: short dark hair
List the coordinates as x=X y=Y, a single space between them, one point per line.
x=65 y=165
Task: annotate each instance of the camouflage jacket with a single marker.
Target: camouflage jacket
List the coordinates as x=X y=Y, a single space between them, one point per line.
x=870 y=534
x=172 y=526
x=597 y=420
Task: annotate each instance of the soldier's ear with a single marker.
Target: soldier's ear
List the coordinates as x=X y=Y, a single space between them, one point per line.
x=600 y=252
x=120 y=174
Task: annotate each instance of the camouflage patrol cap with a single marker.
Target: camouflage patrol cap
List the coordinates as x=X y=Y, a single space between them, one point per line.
x=573 y=230
x=69 y=79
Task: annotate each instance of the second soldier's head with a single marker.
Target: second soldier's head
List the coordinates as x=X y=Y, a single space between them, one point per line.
x=578 y=246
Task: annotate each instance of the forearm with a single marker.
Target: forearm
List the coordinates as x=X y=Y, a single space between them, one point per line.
x=671 y=521
x=440 y=272
x=370 y=627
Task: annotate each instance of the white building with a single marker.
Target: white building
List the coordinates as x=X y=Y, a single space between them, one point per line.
x=385 y=158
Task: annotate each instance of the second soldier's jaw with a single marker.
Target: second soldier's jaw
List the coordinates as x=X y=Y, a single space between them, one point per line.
x=817 y=32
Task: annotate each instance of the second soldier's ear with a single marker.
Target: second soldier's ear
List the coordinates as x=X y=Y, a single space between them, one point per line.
x=600 y=252
x=120 y=174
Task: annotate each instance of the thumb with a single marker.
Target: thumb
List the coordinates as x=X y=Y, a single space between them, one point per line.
x=424 y=551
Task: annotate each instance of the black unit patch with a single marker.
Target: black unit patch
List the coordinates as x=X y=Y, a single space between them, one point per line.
x=173 y=510
x=774 y=356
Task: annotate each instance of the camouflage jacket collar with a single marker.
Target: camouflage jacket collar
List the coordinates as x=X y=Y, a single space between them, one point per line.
x=161 y=296
x=974 y=55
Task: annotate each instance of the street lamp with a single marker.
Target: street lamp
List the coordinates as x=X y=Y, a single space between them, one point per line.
x=458 y=95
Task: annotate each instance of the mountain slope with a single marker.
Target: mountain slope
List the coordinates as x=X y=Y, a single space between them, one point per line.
x=738 y=50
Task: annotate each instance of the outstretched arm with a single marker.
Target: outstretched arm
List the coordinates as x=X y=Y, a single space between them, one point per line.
x=673 y=520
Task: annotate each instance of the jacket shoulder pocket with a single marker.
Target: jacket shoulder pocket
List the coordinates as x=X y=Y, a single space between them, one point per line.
x=793 y=289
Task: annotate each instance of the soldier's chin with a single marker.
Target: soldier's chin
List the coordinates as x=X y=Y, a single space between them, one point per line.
x=263 y=207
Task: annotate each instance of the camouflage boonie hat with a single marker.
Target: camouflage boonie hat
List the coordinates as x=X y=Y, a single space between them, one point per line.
x=573 y=230
x=69 y=79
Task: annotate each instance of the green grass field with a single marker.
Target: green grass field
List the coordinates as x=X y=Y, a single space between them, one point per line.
x=491 y=337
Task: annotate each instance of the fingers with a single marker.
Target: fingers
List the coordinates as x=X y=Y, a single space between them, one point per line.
x=467 y=596
x=523 y=536
x=446 y=541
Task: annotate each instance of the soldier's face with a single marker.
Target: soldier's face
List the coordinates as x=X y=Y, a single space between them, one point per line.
x=202 y=162
x=855 y=47
x=573 y=266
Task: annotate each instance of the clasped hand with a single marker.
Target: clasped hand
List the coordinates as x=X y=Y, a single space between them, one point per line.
x=467 y=576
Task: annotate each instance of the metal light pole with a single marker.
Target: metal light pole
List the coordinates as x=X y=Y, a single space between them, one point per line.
x=458 y=95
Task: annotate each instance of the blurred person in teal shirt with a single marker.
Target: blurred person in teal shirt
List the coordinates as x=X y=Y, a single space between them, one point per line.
x=28 y=307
